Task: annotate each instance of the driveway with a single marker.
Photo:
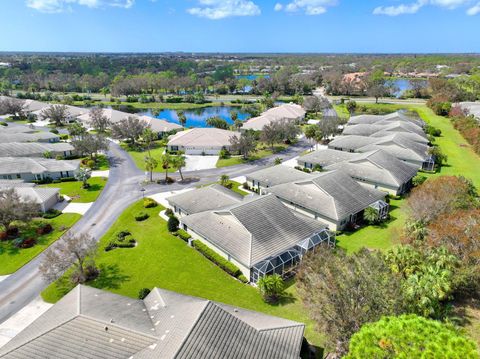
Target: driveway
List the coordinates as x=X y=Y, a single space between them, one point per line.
x=198 y=163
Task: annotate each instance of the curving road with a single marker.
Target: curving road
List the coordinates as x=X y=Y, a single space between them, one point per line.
x=122 y=189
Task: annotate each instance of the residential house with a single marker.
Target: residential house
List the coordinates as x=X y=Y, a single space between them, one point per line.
x=259 y=235
x=73 y=112
x=378 y=119
x=275 y=175
x=159 y=126
x=332 y=197
x=285 y=112
x=203 y=199
x=201 y=141
x=46 y=198
x=36 y=149
x=94 y=324
x=30 y=169
x=40 y=136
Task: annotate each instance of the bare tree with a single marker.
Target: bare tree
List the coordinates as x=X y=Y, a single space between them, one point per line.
x=98 y=120
x=56 y=114
x=328 y=126
x=13 y=107
x=130 y=129
x=245 y=144
x=271 y=134
x=312 y=104
x=90 y=144
x=77 y=251
x=14 y=208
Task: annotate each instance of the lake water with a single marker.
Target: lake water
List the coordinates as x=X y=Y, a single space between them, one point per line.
x=250 y=77
x=198 y=117
x=403 y=85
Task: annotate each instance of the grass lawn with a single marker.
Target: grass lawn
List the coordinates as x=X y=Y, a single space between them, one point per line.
x=102 y=163
x=12 y=258
x=78 y=194
x=261 y=152
x=138 y=157
x=165 y=261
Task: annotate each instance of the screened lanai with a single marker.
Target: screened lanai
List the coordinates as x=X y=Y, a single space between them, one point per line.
x=429 y=164
x=382 y=208
x=291 y=257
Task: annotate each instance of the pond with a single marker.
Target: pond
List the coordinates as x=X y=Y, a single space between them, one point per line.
x=250 y=78
x=198 y=117
x=403 y=85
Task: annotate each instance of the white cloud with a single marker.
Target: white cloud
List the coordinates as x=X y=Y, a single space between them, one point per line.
x=310 y=7
x=278 y=7
x=413 y=8
x=56 y=6
x=220 y=9
x=475 y=10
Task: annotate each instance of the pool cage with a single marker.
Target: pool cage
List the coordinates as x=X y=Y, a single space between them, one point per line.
x=382 y=209
x=291 y=257
x=429 y=164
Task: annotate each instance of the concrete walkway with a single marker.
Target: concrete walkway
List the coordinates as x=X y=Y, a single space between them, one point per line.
x=161 y=197
x=23 y=318
x=3 y=277
x=198 y=163
x=104 y=174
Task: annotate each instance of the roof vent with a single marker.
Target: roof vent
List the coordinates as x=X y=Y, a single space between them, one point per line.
x=111 y=320
x=106 y=328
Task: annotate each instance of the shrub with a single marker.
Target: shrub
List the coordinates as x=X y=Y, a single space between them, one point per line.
x=242 y=278
x=111 y=245
x=55 y=131
x=122 y=234
x=142 y=294
x=216 y=258
x=271 y=287
x=51 y=213
x=90 y=164
x=169 y=212
x=12 y=232
x=170 y=180
x=28 y=243
x=142 y=216
x=149 y=203
x=44 y=229
x=173 y=223
x=183 y=235
x=3 y=123
x=3 y=236
x=418 y=180
x=68 y=179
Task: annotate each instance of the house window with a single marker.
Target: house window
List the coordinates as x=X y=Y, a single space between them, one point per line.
x=18 y=176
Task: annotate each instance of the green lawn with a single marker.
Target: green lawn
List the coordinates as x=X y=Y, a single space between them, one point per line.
x=12 y=258
x=78 y=194
x=138 y=157
x=165 y=261
x=261 y=152
x=102 y=163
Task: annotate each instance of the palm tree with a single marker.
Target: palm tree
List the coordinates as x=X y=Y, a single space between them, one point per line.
x=179 y=162
x=370 y=215
x=224 y=180
x=150 y=165
x=166 y=161
x=104 y=91
x=182 y=118
x=148 y=137
x=271 y=287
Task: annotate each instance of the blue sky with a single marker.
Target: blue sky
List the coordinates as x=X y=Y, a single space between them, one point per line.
x=385 y=26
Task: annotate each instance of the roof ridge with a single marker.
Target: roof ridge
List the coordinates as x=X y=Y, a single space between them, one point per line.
x=281 y=327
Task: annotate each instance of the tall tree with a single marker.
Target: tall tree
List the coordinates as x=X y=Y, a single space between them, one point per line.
x=342 y=292
x=130 y=129
x=244 y=144
x=271 y=134
x=98 y=120
x=90 y=145
x=13 y=107
x=180 y=161
x=376 y=85
x=14 y=208
x=313 y=133
x=182 y=118
x=166 y=160
x=83 y=175
x=57 y=114
x=71 y=251
x=150 y=165
x=217 y=122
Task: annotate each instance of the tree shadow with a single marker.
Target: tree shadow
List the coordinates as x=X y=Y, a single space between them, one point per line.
x=110 y=277
x=115 y=161
x=94 y=188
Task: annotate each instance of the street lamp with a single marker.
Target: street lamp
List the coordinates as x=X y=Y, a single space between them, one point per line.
x=143 y=192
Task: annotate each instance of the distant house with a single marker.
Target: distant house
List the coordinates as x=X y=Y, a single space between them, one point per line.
x=259 y=235
x=383 y=119
x=275 y=175
x=40 y=136
x=332 y=197
x=114 y=116
x=201 y=141
x=396 y=144
x=390 y=128
x=92 y=323
x=36 y=149
x=30 y=169
x=285 y=112
x=377 y=169
x=46 y=198
x=73 y=112
x=159 y=126
x=203 y=199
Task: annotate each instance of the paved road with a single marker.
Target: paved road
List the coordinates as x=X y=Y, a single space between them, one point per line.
x=122 y=189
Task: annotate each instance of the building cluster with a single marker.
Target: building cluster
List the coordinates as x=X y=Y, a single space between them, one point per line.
x=292 y=211
x=91 y=323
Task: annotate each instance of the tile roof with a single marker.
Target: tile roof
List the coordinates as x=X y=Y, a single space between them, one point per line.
x=288 y=111
x=275 y=175
x=198 y=137
x=13 y=165
x=205 y=199
x=91 y=323
x=332 y=194
x=254 y=229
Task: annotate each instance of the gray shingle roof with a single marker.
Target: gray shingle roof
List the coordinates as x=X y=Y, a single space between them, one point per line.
x=275 y=175
x=32 y=149
x=37 y=195
x=370 y=129
x=379 y=167
x=332 y=194
x=159 y=125
x=205 y=199
x=14 y=165
x=198 y=137
x=395 y=116
x=28 y=137
x=287 y=111
x=253 y=230
x=327 y=157
x=90 y=323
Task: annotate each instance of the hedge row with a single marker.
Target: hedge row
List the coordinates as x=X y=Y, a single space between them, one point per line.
x=216 y=258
